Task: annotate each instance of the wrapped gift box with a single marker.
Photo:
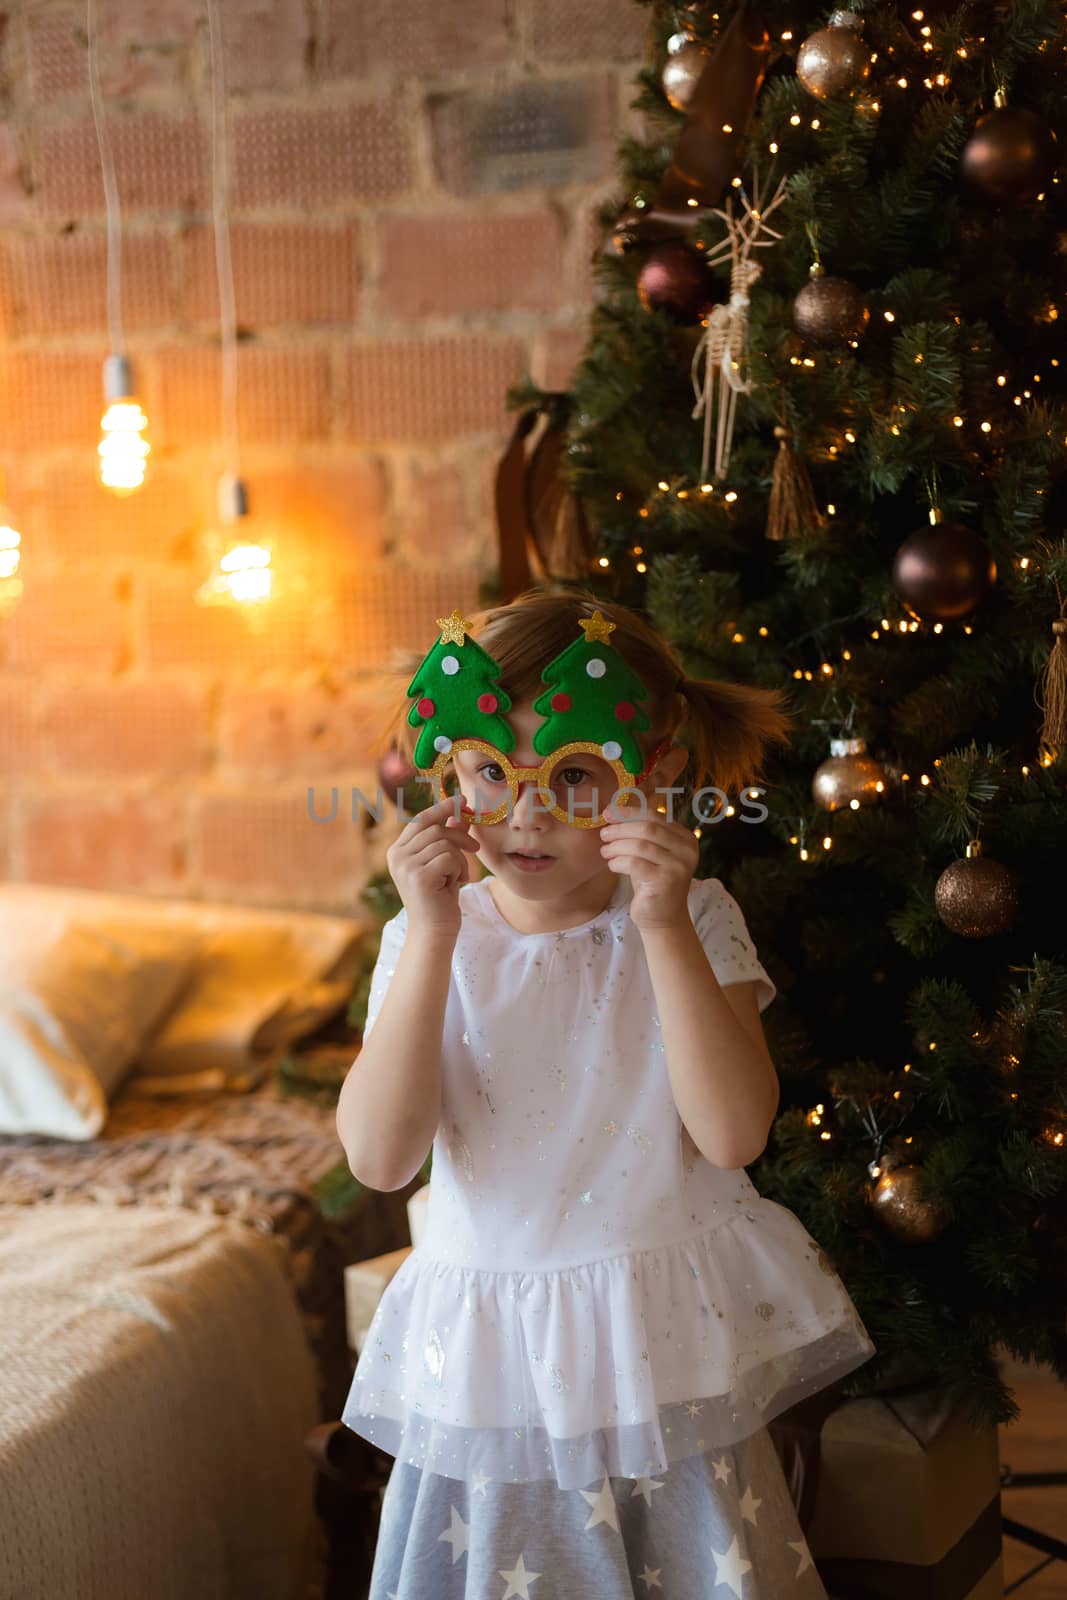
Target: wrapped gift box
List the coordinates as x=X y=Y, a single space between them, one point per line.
x=898 y=1495
x=365 y=1283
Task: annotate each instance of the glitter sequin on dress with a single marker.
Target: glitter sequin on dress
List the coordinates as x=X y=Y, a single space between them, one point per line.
x=592 y=1296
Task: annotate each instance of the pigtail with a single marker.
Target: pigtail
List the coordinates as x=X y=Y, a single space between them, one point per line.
x=730 y=728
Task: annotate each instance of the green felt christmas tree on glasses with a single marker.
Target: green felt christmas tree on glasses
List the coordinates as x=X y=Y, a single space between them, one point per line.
x=820 y=433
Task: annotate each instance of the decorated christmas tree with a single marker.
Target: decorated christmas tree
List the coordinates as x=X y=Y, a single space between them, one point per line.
x=819 y=433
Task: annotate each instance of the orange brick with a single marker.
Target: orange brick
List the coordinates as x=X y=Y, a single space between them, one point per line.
x=271 y=846
x=74 y=519
x=330 y=509
x=282 y=272
x=265 y=44
x=387 y=612
x=57 y=64
x=297 y=733
x=125 y=727
x=50 y=398
x=16 y=201
x=431 y=389
x=149 y=23
x=420 y=37
x=7 y=296
x=68 y=619
x=286 y=155
x=174 y=630
x=161 y=164
x=468 y=265
x=560 y=351
x=431 y=515
x=99 y=839
x=59 y=281
x=283 y=394
x=597 y=30
x=19 y=748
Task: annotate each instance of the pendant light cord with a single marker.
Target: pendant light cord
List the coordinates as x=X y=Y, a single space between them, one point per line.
x=111 y=192
x=223 y=260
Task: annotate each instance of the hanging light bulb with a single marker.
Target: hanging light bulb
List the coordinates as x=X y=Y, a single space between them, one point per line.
x=123 y=448
x=242 y=573
x=10 y=559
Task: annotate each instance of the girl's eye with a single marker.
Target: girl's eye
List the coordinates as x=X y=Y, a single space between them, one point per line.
x=574 y=777
x=490 y=768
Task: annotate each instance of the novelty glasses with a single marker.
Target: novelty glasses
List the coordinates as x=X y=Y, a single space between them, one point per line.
x=570 y=781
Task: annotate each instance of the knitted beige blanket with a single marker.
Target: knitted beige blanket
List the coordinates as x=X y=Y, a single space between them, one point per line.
x=155 y=1388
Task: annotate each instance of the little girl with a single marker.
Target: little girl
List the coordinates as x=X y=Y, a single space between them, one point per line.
x=575 y=1367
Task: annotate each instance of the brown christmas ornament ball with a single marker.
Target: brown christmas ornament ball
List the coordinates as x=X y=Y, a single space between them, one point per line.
x=835 y=59
x=976 y=897
x=944 y=572
x=897 y=1202
x=677 y=280
x=830 y=311
x=686 y=60
x=394 y=771
x=848 y=774
x=1010 y=157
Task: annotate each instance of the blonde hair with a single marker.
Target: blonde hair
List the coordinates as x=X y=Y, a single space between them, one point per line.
x=728 y=727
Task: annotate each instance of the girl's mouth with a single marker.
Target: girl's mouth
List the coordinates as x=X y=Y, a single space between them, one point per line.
x=530 y=863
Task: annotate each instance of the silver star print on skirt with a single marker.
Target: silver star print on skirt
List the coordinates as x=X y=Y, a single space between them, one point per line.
x=719 y=1525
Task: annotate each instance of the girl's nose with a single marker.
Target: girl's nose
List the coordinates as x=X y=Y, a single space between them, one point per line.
x=529 y=806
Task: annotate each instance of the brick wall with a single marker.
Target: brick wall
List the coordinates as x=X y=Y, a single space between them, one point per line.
x=412 y=183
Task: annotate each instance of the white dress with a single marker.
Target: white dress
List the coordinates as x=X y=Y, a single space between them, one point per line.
x=590 y=1296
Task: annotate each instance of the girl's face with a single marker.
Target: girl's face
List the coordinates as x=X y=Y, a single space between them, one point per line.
x=570 y=855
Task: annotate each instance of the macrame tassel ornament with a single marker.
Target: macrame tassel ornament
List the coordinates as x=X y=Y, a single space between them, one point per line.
x=1051 y=693
x=791 y=510
x=718 y=366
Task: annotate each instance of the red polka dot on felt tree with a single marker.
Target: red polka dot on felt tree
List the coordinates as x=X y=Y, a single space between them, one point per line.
x=426 y=708
x=487 y=702
x=624 y=710
x=560 y=702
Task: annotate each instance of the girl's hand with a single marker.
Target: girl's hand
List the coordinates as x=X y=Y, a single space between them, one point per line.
x=660 y=858
x=429 y=862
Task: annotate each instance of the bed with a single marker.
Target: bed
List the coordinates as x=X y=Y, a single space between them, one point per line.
x=172 y=1329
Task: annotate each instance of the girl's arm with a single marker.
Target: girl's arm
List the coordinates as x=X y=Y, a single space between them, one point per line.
x=721 y=1073
x=390 y=1101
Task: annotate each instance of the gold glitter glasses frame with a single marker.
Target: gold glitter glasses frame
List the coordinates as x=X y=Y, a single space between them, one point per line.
x=541 y=774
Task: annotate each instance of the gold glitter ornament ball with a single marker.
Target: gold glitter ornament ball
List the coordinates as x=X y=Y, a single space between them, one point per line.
x=835 y=59
x=896 y=1201
x=830 y=310
x=977 y=897
x=686 y=60
x=848 y=774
